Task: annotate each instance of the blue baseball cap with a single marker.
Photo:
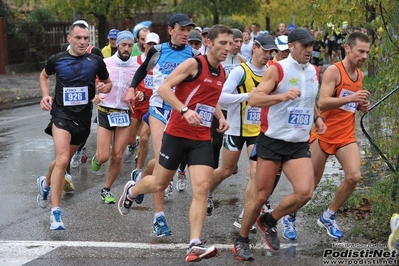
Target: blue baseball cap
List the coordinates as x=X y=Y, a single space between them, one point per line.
x=113 y=34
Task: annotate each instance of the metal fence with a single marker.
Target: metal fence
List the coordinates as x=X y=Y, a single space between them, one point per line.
x=29 y=42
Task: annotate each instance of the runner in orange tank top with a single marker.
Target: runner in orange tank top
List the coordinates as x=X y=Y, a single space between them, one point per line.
x=341 y=94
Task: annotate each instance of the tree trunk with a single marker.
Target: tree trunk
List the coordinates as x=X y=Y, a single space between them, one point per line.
x=102 y=31
x=370 y=16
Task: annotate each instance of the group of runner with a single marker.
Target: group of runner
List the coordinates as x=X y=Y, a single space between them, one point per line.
x=271 y=108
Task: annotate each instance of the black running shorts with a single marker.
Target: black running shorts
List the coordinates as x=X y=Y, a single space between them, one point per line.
x=79 y=129
x=279 y=150
x=174 y=148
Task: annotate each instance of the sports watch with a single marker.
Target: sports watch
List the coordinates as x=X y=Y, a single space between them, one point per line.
x=183 y=110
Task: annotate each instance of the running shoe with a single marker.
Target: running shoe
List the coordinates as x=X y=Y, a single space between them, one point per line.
x=267 y=207
x=95 y=165
x=237 y=224
x=68 y=185
x=169 y=190
x=43 y=196
x=132 y=149
x=55 y=220
x=83 y=159
x=330 y=225
x=76 y=158
x=134 y=176
x=198 y=252
x=242 y=251
x=289 y=231
x=393 y=240
x=125 y=201
x=270 y=233
x=107 y=196
x=209 y=206
x=161 y=228
x=181 y=181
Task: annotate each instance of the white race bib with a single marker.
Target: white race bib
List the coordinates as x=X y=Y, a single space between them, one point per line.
x=148 y=82
x=252 y=115
x=350 y=107
x=316 y=54
x=300 y=117
x=206 y=113
x=118 y=119
x=75 y=95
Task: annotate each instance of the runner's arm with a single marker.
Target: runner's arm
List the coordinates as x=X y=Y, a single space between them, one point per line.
x=229 y=93
x=44 y=84
x=185 y=70
x=261 y=96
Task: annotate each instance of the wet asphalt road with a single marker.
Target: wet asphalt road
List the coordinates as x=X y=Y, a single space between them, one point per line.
x=96 y=234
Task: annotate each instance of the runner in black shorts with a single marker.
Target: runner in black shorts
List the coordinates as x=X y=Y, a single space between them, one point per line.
x=198 y=83
x=70 y=109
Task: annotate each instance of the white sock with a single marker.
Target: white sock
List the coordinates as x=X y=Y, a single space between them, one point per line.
x=195 y=241
x=327 y=214
x=45 y=184
x=158 y=214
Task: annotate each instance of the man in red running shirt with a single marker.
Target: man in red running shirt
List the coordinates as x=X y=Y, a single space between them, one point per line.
x=198 y=82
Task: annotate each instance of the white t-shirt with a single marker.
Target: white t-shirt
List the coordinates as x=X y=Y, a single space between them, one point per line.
x=254 y=36
x=246 y=49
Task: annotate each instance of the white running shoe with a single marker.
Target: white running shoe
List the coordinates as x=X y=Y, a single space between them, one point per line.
x=181 y=183
x=393 y=240
x=169 y=190
x=76 y=159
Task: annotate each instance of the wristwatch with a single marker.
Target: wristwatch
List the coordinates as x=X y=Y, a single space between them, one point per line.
x=183 y=110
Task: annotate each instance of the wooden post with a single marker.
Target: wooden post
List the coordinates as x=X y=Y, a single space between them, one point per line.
x=3 y=45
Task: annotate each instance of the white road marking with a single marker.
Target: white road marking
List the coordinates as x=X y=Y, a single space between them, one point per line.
x=13 y=253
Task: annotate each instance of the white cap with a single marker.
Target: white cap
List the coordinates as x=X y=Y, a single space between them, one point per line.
x=199 y=29
x=152 y=37
x=282 y=42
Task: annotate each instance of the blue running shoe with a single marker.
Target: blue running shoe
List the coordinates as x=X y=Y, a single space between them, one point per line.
x=134 y=175
x=161 y=229
x=330 y=225
x=55 y=220
x=42 y=197
x=289 y=231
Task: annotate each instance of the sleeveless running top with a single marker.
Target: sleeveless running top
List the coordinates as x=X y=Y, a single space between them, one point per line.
x=340 y=121
x=201 y=95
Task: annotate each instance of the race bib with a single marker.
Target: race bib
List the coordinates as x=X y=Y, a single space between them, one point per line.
x=165 y=105
x=75 y=95
x=148 y=82
x=206 y=113
x=118 y=119
x=350 y=107
x=299 y=117
x=252 y=115
x=316 y=54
